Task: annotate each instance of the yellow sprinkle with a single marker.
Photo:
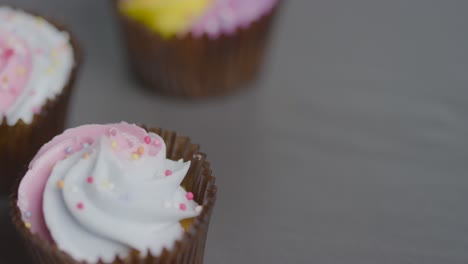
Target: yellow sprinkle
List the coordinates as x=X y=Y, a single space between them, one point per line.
x=39 y=20
x=50 y=70
x=20 y=70
x=106 y=183
x=141 y=150
x=27 y=225
x=114 y=144
x=60 y=184
x=86 y=156
x=5 y=79
x=135 y=156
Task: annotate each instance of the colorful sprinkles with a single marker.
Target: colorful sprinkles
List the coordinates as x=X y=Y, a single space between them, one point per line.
x=17 y=54
x=60 y=184
x=114 y=144
x=157 y=142
x=35 y=110
x=20 y=70
x=27 y=214
x=135 y=154
x=68 y=150
x=108 y=185
x=40 y=21
x=90 y=179
x=141 y=150
x=167 y=204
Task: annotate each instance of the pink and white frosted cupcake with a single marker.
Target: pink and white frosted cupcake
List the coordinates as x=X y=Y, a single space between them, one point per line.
x=116 y=193
x=196 y=48
x=38 y=64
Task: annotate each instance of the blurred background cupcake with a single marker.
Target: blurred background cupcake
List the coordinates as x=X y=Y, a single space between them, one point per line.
x=116 y=193
x=39 y=60
x=196 y=48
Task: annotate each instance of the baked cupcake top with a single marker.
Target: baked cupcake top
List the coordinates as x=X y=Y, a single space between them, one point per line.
x=211 y=17
x=36 y=60
x=100 y=191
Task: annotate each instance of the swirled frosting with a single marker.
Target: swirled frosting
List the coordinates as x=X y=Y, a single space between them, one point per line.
x=211 y=17
x=36 y=60
x=99 y=191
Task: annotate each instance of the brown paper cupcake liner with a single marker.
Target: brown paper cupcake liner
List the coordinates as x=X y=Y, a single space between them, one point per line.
x=19 y=142
x=196 y=66
x=189 y=250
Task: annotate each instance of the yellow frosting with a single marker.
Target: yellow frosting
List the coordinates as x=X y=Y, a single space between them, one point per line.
x=166 y=17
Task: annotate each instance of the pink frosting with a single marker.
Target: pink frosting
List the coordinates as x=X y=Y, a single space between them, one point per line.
x=15 y=68
x=225 y=16
x=30 y=193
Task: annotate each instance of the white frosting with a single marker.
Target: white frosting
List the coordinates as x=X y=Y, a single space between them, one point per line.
x=52 y=62
x=111 y=203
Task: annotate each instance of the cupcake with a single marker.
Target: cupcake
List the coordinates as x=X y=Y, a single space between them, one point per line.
x=38 y=65
x=196 y=48
x=116 y=194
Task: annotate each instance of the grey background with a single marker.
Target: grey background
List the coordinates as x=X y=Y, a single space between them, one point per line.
x=351 y=148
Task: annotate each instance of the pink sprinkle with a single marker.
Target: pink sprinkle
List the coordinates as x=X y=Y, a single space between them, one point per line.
x=157 y=142
x=80 y=206
x=7 y=53
x=183 y=207
x=35 y=110
x=39 y=51
x=189 y=196
x=14 y=91
x=90 y=179
x=10 y=17
x=113 y=132
x=168 y=172
x=147 y=140
x=32 y=92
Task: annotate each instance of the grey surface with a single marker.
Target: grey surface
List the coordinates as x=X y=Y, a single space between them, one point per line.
x=351 y=148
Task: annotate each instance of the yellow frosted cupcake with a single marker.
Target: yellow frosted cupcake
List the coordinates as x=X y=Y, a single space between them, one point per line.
x=167 y=17
x=196 y=48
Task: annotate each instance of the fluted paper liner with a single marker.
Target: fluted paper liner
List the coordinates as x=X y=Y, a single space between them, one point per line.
x=19 y=142
x=189 y=250
x=192 y=66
